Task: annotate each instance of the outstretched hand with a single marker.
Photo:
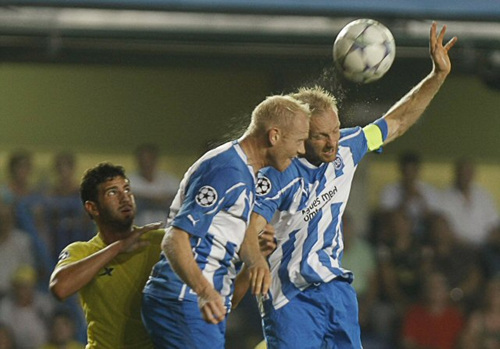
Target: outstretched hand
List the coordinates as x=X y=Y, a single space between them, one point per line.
x=438 y=51
x=133 y=242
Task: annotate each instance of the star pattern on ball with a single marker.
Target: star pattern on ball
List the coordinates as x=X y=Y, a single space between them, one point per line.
x=206 y=197
x=263 y=186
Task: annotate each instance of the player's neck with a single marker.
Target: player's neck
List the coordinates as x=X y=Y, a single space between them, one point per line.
x=255 y=152
x=110 y=234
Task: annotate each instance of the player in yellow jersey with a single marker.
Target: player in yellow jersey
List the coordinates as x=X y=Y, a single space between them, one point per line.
x=110 y=270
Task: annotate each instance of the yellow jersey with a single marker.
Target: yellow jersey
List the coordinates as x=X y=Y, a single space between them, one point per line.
x=70 y=345
x=112 y=300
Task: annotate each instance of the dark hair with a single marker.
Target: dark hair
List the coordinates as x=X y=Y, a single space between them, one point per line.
x=96 y=175
x=64 y=157
x=17 y=158
x=409 y=157
x=147 y=148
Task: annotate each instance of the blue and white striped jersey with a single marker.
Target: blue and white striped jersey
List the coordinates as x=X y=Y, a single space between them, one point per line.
x=213 y=205
x=305 y=204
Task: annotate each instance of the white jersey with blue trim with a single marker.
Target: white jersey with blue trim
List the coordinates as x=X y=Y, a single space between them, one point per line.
x=213 y=205
x=305 y=204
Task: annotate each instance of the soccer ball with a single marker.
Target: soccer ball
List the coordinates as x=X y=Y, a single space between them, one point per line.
x=364 y=50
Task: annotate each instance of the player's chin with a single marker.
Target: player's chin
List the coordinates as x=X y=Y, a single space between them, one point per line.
x=128 y=216
x=328 y=156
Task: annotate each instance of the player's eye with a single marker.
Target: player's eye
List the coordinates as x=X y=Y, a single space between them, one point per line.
x=318 y=137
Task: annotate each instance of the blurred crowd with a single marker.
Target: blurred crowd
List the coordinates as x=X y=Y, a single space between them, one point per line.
x=427 y=271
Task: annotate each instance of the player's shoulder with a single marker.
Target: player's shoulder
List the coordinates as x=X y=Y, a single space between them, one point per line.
x=291 y=172
x=82 y=245
x=226 y=161
x=155 y=235
x=349 y=133
x=78 y=250
x=270 y=180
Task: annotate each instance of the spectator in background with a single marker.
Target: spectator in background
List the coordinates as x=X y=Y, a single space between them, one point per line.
x=483 y=327
x=433 y=322
x=399 y=275
x=468 y=207
x=19 y=171
x=457 y=261
x=6 y=337
x=490 y=254
x=410 y=194
x=154 y=189
x=62 y=332
x=25 y=200
x=15 y=248
x=26 y=310
x=65 y=183
x=65 y=220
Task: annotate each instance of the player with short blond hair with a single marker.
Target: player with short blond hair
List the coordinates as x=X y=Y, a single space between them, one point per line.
x=189 y=293
x=311 y=302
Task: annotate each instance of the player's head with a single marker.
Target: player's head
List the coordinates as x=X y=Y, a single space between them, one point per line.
x=324 y=132
x=283 y=123
x=106 y=194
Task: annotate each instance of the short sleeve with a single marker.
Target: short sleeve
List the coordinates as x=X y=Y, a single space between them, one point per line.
x=208 y=192
x=73 y=253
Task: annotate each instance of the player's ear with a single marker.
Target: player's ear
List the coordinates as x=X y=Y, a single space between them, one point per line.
x=91 y=208
x=273 y=136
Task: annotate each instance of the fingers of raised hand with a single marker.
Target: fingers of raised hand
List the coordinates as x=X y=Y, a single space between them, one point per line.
x=450 y=43
x=151 y=226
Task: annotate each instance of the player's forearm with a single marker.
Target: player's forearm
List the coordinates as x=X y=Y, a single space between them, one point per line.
x=241 y=286
x=250 y=250
x=410 y=108
x=70 y=278
x=177 y=248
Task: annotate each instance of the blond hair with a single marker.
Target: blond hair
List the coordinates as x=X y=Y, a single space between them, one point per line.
x=318 y=99
x=276 y=111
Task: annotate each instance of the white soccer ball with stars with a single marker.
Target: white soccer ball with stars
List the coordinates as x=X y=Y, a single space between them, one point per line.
x=364 y=50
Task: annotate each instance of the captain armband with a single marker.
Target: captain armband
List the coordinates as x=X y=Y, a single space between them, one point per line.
x=375 y=134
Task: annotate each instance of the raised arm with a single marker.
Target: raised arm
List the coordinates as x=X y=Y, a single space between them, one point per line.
x=177 y=248
x=70 y=278
x=409 y=109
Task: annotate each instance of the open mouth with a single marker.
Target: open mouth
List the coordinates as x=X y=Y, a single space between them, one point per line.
x=126 y=209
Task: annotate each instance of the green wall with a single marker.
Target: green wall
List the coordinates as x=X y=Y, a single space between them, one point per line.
x=112 y=108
